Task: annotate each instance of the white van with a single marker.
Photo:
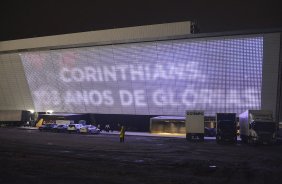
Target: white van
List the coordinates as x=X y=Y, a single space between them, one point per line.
x=74 y=128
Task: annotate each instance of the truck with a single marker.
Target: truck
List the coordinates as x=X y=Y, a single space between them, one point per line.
x=257 y=126
x=226 y=127
x=14 y=117
x=195 y=125
x=280 y=130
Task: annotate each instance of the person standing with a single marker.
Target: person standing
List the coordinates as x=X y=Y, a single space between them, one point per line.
x=107 y=128
x=122 y=134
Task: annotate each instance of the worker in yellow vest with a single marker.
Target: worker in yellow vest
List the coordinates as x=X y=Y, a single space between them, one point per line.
x=122 y=134
x=39 y=123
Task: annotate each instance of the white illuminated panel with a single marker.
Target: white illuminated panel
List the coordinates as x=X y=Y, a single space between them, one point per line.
x=160 y=78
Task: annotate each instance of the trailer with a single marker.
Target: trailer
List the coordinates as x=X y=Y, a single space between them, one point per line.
x=226 y=128
x=279 y=130
x=258 y=126
x=14 y=117
x=194 y=124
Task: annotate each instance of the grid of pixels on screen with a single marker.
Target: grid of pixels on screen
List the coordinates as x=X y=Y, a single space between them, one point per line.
x=159 y=78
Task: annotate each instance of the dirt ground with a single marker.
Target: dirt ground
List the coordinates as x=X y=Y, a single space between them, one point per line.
x=30 y=156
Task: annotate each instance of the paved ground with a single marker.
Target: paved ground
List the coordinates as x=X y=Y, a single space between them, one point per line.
x=147 y=134
x=30 y=156
x=129 y=133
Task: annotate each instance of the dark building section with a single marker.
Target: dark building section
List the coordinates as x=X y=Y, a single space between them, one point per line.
x=279 y=88
x=131 y=122
x=138 y=123
x=15 y=117
x=75 y=118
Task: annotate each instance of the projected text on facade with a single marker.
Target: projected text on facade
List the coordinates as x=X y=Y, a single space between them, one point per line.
x=160 y=78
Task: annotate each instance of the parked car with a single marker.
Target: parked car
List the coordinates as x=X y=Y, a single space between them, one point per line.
x=89 y=129
x=61 y=128
x=93 y=129
x=73 y=128
x=47 y=127
x=84 y=129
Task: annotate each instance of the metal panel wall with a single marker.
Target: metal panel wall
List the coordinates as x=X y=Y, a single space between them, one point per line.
x=162 y=77
x=15 y=93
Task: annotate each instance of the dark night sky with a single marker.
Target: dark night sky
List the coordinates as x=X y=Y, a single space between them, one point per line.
x=25 y=19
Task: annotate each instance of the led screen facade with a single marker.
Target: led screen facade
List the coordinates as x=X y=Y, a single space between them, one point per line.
x=158 y=78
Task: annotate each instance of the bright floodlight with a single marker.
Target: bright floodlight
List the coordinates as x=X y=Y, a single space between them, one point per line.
x=49 y=112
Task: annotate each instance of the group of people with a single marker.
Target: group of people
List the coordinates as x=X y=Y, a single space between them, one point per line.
x=108 y=128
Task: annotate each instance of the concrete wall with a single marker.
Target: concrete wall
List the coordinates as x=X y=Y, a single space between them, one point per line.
x=270 y=70
x=279 y=89
x=138 y=33
x=14 y=89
